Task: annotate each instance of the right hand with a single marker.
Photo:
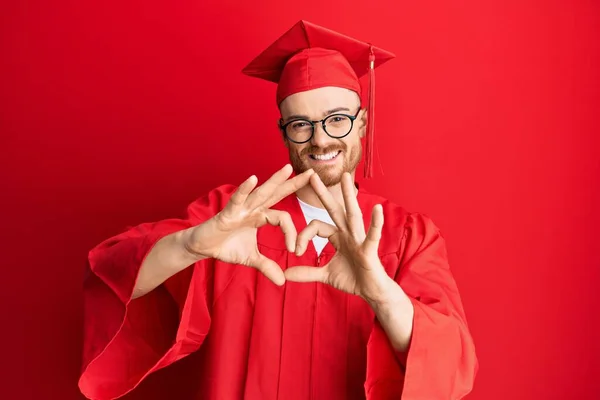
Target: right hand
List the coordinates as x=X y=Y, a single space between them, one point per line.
x=230 y=236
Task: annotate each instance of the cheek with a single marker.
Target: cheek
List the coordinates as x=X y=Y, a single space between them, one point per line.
x=295 y=148
x=352 y=143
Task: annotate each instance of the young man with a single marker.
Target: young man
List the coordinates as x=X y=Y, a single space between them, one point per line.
x=297 y=288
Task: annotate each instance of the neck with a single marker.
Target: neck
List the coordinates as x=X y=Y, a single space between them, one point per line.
x=309 y=196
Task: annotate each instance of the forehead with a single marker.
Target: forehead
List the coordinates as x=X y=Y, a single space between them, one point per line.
x=316 y=102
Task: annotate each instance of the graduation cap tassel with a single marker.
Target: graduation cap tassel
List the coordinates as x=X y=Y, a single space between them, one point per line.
x=369 y=145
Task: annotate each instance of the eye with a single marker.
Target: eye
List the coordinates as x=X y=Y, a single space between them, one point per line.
x=337 y=120
x=299 y=125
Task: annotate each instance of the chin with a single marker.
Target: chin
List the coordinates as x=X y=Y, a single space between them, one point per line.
x=330 y=178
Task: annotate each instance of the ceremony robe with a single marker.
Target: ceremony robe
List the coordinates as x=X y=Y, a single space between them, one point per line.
x=259 y=341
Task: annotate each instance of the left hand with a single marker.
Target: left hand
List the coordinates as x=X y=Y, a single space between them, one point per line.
x=355 y=268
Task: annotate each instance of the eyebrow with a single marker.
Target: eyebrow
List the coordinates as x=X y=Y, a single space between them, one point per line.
x=328 y=112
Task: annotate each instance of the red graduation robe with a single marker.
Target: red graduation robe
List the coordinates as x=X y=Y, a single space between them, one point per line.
x=260 y=341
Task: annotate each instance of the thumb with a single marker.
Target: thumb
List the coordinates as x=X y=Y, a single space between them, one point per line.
x=269 y=268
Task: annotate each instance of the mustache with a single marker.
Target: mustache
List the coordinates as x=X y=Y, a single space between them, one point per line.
x=315 y=150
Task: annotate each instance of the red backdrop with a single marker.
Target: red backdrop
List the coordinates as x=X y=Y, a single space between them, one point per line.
x=114 y=113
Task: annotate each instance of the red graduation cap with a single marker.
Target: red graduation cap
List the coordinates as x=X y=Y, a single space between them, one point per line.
x=309 y=56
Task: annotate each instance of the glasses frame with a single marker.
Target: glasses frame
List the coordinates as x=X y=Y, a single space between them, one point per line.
x=352 y=118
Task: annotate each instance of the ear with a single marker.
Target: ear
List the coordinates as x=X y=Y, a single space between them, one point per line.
x=362 y=126
x=285 y=139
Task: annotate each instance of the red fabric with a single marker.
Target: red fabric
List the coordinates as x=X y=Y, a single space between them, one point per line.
x=314 y=68
x=259 y=341
x=344 y=53
x=369 y=143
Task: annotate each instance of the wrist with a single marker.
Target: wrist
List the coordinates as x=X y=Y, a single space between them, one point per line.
x=183 y=241
x=388 y=295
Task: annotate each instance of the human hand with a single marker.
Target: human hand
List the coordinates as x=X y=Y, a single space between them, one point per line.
x=230 y=236
x=355 y=268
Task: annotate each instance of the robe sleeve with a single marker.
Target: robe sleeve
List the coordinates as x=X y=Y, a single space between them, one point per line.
x=440 y=363
x=125 y=340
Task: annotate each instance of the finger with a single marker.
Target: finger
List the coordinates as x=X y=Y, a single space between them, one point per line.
x=283 y=220
x=289 y=187
x=334 y=209
x=315 y=228
x=269 y=269
x=240 y=195
x=354 y=215
x=264 y=191
x=374 y=235
x=306 y=274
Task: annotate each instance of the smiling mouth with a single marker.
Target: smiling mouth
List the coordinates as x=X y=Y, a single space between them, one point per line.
x=325 y=157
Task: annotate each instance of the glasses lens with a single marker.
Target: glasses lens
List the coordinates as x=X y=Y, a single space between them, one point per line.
x=338 y=125
x=299 y=130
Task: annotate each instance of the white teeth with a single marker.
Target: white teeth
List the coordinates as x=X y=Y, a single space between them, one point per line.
x=325 y=157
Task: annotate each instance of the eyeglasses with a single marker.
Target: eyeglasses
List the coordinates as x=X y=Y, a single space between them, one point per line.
x=335 y=125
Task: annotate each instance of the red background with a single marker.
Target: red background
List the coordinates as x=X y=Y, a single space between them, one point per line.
x=114 y=113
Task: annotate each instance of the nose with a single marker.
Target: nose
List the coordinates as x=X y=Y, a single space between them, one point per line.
x=320 y=137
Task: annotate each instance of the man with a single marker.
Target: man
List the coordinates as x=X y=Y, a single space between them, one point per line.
x=297 y=288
